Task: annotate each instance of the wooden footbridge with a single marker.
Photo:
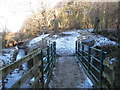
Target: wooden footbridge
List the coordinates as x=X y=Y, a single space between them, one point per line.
x=43 y=60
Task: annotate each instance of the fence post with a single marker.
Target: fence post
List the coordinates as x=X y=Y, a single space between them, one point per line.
x=35 y=61
x=79 y=47
x=42 y=67
x=82 y=49
x=76 y=50
x=101 y=68
x=116 y=74
x=54 y=50
x=55 y=47
x=89 y=57
x=82 y=52
x=48 y=54
x=51 y=53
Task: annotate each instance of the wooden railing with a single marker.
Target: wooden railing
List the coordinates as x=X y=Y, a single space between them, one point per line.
x=92 y=61
x=43 y=62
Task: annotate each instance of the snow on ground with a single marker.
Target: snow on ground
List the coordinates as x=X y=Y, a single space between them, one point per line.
x=21 y=54
x=67 y=42
x=13 y=77
x=7 y=56
x=86 y=84
x=99 y=40
x=17 y=73
x=36 y=41
x=65 y=45
x=67 y=73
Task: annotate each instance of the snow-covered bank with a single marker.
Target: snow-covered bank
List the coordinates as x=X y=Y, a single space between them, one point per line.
x=7 y=56
x=65 y=46
x=37 y=42
x=17 y=73
x=67 y=41
x=99 y=40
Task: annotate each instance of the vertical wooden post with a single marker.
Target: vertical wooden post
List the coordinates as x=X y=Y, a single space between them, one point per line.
x=47 y=54
x=116 y=74
x=89 y=57
x=35 y=61
x=54 y=47
x=54 y=51
x=3 y=83
x=39 y=59
x=51 y=52
x=42 y=67
x=76 y=47
x=82 y=52
x=30 y=63
x=79 y=47
x=101 y=68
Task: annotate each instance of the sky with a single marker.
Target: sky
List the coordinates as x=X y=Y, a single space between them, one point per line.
x=14 y=12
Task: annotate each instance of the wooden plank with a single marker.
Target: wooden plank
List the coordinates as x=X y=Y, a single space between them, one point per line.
x=26 y=76
x=36 y=82
x=7 y=69
x=35 y=61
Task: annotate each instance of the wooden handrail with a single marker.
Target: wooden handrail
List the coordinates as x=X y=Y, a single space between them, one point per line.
x=37 y=70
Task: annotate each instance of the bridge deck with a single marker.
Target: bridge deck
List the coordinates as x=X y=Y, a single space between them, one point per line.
x=68 y=74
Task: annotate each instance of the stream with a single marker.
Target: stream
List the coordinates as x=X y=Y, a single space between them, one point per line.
x=18 y=72
x=21 y=53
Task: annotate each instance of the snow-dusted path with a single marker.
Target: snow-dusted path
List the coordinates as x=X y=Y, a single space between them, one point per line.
x=67 y=73
x=65 y=44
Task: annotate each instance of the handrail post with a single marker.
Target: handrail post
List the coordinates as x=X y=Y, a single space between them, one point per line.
x=42 y=67
x=55 y=47
x=51 y=46
x=48 y=54
x=54 y=51
x=89 y=57
x=76 y=47
x=82 y=52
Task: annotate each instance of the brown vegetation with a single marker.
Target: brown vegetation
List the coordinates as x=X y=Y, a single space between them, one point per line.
x=101 y=16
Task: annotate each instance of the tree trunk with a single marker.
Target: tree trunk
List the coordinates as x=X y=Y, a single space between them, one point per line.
x=106 y=17
x=97 y=20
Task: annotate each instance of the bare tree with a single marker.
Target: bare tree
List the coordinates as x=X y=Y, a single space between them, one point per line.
x=4 y=33
x=106 y=16
x=97 y=20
